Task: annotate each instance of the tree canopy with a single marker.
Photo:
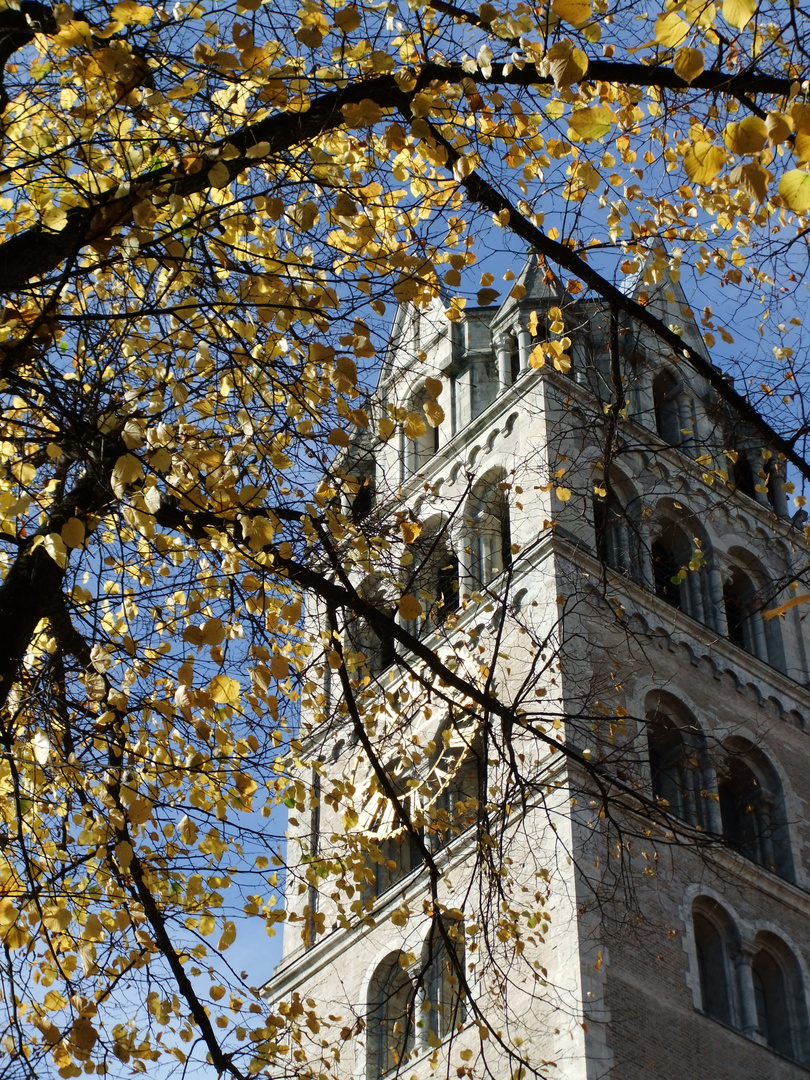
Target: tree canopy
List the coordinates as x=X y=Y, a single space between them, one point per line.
x=208 y=217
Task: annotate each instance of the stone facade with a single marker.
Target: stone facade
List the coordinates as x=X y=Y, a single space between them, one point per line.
x=599 y=540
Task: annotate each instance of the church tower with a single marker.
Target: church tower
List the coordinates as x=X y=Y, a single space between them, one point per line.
x=554 y=816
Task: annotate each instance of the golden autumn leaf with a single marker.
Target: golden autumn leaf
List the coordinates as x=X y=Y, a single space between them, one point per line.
x=738 y=13
x=224 y=690
x=670 y=30
x=410 y=531
x=434 y=413
x=228 y=936
x=688 y=63
x=794 y=188
x=567 y=64
x=72 y=532
x=778 y=128
x=592 y=123
x=703 y=162
x=347 y=18
x=434 y=386
x=575 y=12
x=749 y=136
x=409 y=607
x=413 y=426
x=128 y=12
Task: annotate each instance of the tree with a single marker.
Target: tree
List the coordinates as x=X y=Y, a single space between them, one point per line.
x=209 y=215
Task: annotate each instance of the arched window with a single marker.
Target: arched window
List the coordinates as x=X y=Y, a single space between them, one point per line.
x=421 y=437
x=752 y=808
x=618 y=539
x=455 y=807
x=715 y=939
x=779 y=997
x=434 y=578
x=363 y=499
x=681 y=572
x=390 y=1019
x=673 y=411
x=491 y=547
x=746 y=627
x=681 y=774
x=445 y=1001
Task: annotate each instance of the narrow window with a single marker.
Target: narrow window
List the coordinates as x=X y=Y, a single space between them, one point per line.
x=678 y=767
x=668 y=406
x=391 y=1021
x=711 y=957
x=773 y=1008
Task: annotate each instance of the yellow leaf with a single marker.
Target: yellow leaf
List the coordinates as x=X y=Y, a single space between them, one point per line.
x=739 y=13
x=73 y=532
x=347 y=19
x=537 y=357
x=409 y=608
x=410 y=531
x=670 y=30
x=139 y=812
x=83 y=1035
x=55 y=546
x=279 y=667
x=754 y=180
x=485 y=297
x=414 y=426
x=223 y=690
x=126 y=470
x=434 y=386
x=434 y=413
x=386 y=428
x=206 y=925
x=128 y=11
x=567 y=64
x=562 y=493
x=593 y=123
x=794 y=188
x=124 y=854
x=747 y=137
x=778 y=128
x=350 y=819
x=219 y=176
x=575 y=12
x=228 y=936
x=363 y=114
x=187 y=830
x=688 y=64
x=774 y=613
x=8 y=912
x=338 y=437
x=703 y=162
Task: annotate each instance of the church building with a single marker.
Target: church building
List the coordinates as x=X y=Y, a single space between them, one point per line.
x=555 y=823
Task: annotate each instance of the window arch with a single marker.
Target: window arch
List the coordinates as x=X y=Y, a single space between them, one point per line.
x=390 y=1018
x=673 y=409
x=618 y=534
x=491 y=543
x=781 y=1007
x=443 y=994
x=752 y=808
x=434 y=577
x=716 y=942
x=421 y=437
x=680 y=570
x=682 y=777
x=747 y=629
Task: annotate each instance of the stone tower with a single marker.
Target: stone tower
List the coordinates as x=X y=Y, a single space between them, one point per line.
x=606 y=868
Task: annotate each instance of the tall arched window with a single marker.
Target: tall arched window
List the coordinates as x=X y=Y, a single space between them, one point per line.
x=421 y=437
x=682 y=778
x=779 y=997
x=715 y=941
x=673 y=410
x=618 y=539
x=443 y=994
x=746 y=626
x=434 y=578
x=752 y=808
x=390 y=1019
x=681 y=571
x=491 y=546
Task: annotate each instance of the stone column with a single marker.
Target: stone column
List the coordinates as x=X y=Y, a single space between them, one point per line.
x=504 y=357
x=718 y=605
x=745 y=985
x=645 y=555
x=758 y=634
x=524 y=339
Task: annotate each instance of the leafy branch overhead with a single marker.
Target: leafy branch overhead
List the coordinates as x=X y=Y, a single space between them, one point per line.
x=210 y=215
